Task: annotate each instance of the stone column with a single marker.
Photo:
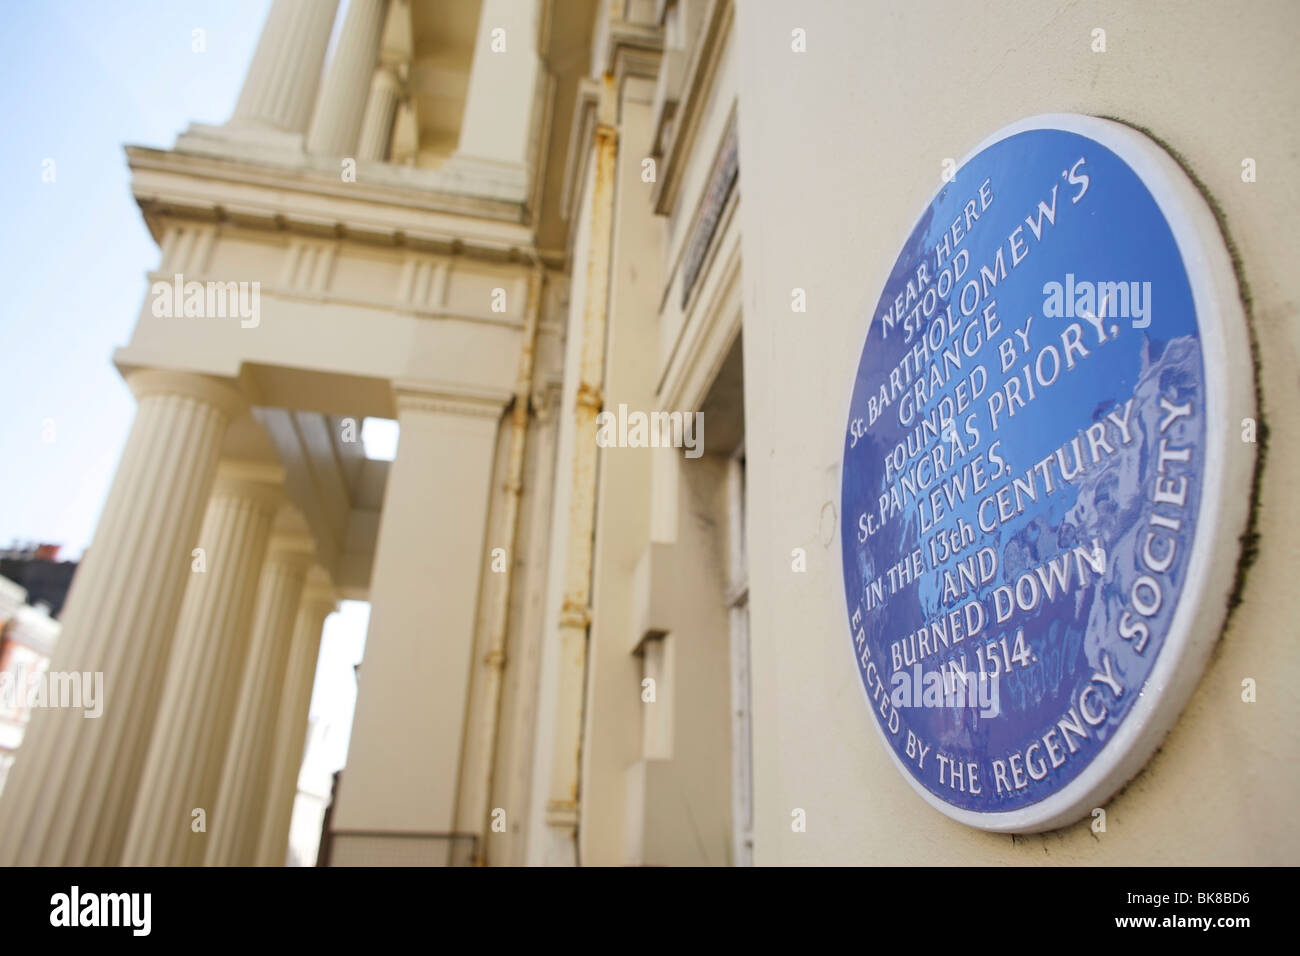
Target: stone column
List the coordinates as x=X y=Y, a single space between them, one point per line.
x=337 y=117
x=497 y=123
x=71 y=789
x=280 y=86
x=423 y=606
x=234 y=826
x=318 y=602
x=381 y=109
x=183 y=768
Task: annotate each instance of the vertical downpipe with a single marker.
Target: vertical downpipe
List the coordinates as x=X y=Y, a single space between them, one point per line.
x=575 y=615
x=496 y=653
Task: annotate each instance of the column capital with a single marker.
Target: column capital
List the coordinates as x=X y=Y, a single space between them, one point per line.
x=390 y=76
x=292 y=542
x=291 y=548
x=226 y=397
x=461 y=400
x=319 y=589
x=259 y=481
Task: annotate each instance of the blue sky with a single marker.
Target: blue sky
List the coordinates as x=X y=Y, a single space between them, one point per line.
x=84 y=78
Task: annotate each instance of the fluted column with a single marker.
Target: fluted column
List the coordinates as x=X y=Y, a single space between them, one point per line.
x=71 y=789
x=381 y=108
x=183 y=768
x=336 y=120
x=290 y=733
x=234 y=827
x=280 y=86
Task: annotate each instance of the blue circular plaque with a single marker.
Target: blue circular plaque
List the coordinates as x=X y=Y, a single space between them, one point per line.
x=1045 y=474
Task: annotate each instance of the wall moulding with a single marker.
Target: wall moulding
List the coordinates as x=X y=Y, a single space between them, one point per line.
x=173 y=186
x=451 y=399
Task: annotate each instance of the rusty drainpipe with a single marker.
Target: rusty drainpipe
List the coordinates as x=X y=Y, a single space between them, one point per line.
x=562 y=807
x=514 y=488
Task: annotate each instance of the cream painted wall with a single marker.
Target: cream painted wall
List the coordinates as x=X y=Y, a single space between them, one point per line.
x=670 y=806
x=841 y=148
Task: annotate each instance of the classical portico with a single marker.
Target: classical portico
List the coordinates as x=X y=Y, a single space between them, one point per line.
x=486 y=220
x=381 y=209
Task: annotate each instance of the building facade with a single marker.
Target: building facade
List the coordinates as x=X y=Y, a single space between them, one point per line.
x=28 y=633
x=37 y=568
x=609 y=265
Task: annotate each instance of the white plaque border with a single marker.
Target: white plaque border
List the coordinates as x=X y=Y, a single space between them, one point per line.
x=1227 y=478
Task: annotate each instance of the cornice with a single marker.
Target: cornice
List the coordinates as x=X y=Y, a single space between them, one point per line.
x=260 y=483
x=276 y=290
x=308 y=202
